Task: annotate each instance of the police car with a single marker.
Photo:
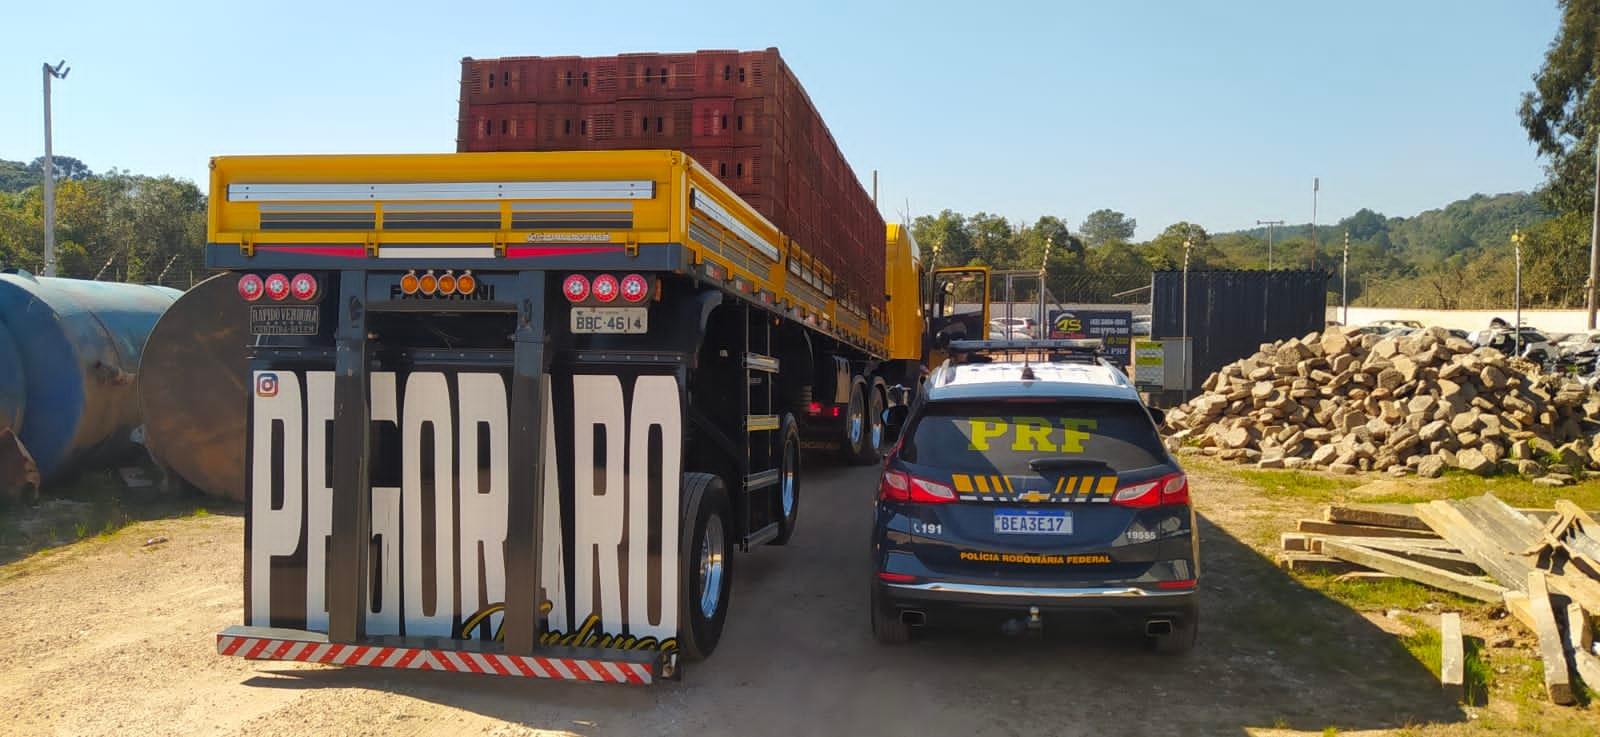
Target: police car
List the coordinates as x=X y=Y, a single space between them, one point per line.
x=1030 y=487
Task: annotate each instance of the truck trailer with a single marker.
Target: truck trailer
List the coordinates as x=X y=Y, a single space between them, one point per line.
x=512 y=413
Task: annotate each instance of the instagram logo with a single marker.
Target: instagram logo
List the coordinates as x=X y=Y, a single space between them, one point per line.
x=267 y=385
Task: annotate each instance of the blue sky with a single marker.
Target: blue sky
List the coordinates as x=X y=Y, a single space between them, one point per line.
x=1210 y=112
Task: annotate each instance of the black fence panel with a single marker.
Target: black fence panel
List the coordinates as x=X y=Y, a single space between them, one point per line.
x=1231 y=313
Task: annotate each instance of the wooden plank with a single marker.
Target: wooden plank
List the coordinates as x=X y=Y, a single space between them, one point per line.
x=1580 y=646
x=1476 y=588
x=1400 y=516
x=1337 y=528
x=1367 y=576
x=1294 y=541
x=1446 y=559
x=1447 y=520
x=1518 y=531
x=1396 y=543
x=1557 y=681
x=1452 y=656
x=1313 y=563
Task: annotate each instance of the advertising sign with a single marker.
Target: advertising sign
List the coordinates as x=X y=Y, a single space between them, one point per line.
x=1115 y=327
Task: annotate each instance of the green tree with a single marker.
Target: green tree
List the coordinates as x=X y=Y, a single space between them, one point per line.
x=944 y=239
x=1560 y=112
x=1104 y=225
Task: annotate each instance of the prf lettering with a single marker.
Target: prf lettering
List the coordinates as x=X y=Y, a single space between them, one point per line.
x=1030 y=434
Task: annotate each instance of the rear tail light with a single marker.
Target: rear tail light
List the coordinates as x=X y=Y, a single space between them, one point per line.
x=250 y=287
x=576 y=287
x=606 y=287
x=1169 y=489
x=304 y=287
x=1187 y=583
x=466 y=283
x=409 y=284
x=447 y=283
x=899 y=486
x=429 y=283
x=277 y=286
x=896 y=577
x=635 y=288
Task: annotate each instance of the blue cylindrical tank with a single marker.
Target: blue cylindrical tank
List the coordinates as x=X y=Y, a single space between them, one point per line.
x=79 y=344
x=13 y=385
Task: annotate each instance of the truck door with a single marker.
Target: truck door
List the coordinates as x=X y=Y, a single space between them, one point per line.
x=958 y=308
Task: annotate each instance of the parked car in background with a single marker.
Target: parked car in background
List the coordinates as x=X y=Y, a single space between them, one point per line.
x=1536 y=346
x=1013 y=328
x=1576 y=342
x=1141 y=325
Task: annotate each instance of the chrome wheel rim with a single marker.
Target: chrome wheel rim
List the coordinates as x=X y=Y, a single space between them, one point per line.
x=788 y=479
x=711 y=567
x=877 y=430
x=855 y=420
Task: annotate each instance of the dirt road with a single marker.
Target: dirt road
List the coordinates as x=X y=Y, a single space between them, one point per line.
x=112 y=636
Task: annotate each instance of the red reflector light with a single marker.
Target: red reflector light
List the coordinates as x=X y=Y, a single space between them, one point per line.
x=1169 y=489
x=303 y=286
x=576 y=287
x=896 y=577
x=835 y=411
x=814 y=409
x=250 y=287
x=1187 y=583
x=606 y=287
x=635 y=288
x=277 y=286
x=409 y=283
x=447 y=283
x=899 y=486
x=466 y=283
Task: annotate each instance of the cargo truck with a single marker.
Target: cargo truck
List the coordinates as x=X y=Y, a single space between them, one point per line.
x=513 y=413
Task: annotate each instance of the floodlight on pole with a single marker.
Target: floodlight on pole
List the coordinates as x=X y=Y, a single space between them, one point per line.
x=59 y=71
x=1270 y=225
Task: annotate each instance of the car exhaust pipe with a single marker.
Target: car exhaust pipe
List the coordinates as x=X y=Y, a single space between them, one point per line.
x=1158 y=627
x=913 y=618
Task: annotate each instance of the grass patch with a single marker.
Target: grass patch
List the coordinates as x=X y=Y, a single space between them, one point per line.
x=1298 y=484
x=1426 y=645
x=1385 y=594
x=1513 y=490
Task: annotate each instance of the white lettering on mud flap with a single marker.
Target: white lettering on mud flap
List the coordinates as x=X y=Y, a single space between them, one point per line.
x=440 y=489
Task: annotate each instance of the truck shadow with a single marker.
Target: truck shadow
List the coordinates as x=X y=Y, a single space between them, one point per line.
x=797 y=658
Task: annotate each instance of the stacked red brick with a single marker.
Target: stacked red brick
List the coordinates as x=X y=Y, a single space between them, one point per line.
x=742 y=115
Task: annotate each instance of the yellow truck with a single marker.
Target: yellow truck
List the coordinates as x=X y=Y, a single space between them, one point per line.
x=512 y=413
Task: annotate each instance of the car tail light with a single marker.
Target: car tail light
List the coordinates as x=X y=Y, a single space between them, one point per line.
x=635 y=288
x=899 y=486
x=896 y=577
x=576 y=287
x=409 y=283
x=429 y=283
x=1169 y=489
x=1187 y=583
x=447 y=283
x=250 y=287
x=304 y=287
x=606 y=287
x=466 y=284
x=277 y=287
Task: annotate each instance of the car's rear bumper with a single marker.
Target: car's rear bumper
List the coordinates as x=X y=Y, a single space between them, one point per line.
x=948 y=601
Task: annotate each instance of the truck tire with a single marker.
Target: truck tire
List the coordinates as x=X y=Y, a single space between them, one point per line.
x=705 y=563
x=864 y=441
x=788 y=496
x=854 y=427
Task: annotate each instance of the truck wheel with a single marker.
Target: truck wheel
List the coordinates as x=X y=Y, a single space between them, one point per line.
x=887 y=628
x=704 y=561
x=788 y=480
x=866 y=435
x=855 y=422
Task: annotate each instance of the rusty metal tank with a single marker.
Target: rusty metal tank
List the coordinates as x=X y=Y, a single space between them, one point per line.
x=194 y=387
x=78 y=345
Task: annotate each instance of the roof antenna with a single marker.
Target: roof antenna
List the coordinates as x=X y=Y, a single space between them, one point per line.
x=1027 y=369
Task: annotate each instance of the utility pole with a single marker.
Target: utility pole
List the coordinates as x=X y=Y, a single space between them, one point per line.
x=1516 y=245
x=1184 y=341
x=59 y=71
x=1594 y=242
x=1316 y=186
x=1269 y=224
x=1344 y=281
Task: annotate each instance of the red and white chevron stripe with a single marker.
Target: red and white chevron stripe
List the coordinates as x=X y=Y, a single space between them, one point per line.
x=380 y=656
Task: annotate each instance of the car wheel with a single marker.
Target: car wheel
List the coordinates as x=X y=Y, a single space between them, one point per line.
x=887 y=628
x=788 y=497
x=1182 y=638
x=705 y=556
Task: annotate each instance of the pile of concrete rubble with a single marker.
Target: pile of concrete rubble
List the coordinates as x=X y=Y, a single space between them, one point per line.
x=1345 y=401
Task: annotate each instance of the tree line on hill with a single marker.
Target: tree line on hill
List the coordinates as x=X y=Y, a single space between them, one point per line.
x=111 y=225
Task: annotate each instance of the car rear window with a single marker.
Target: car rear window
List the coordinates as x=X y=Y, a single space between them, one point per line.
x=1002 y=437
